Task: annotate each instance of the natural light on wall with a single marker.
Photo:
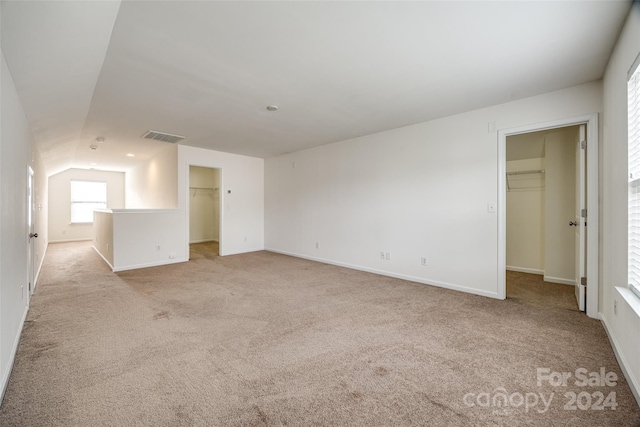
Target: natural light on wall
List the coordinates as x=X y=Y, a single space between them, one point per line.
x=85 y=197
x=633 y=89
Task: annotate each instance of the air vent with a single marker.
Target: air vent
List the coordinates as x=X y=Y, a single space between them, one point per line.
x=162 y=136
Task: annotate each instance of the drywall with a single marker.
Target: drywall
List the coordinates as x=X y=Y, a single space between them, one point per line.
x=420 y=191
x=146 y=238
x=623 y=327
x=560 y=205
x=16 y=146
x=153 y=184
x=526 y=215
x=204 y=204
x=60 y=227
x=103 y=235
x=137 y=238
x=241 y=196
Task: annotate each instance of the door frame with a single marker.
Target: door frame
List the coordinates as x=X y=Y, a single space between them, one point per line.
x=591 y=120
x=31 y=226
x=220 y=206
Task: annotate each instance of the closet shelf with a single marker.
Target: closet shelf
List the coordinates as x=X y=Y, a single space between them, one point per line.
x=525 y=172
x=520 y=173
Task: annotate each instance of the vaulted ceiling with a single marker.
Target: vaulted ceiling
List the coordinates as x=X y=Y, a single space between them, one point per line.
x=336 y=70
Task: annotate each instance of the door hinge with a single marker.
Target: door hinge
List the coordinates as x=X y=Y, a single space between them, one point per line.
x=583 y=281
x=583 y=144
x=583 y=213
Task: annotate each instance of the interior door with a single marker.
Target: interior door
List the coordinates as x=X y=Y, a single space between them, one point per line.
x=580 y=221
x=31 y=245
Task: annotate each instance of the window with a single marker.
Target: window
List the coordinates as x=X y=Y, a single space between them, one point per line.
x=85 y=197
x=633 y=92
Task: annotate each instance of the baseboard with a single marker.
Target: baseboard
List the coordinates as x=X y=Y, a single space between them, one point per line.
x=70 y=240
x=634 y=384
x=559 y=280
x=244 y=251
x=526 y=270
x=435 y=283
x=102 y=256
x=204 y=241
x=147 y=265
x=12 y=357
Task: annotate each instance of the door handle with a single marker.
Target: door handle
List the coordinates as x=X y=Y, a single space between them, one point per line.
x=573 y=224
x=33 y=235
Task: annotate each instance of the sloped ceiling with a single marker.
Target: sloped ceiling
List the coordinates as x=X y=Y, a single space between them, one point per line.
x=337 y=70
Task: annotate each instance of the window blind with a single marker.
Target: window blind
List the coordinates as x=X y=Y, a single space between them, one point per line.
x=633 y=91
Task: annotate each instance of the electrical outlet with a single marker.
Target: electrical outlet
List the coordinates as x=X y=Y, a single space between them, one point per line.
x=172 y=255
x=615 y=306
x=387 y=256
x=423 y=261
x=317 y=245
x=381 y=254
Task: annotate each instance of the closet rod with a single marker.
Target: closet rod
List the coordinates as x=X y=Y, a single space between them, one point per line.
x=525 y=172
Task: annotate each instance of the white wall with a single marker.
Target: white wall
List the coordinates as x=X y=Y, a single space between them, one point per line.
x=204 y=204
x=153 y=185
x=560 y=205
x=103 y=235
x=417 y=191
x=147 y=237
x=526 y=216
x=241 y=197
x=622 y=327
x=16 y=145
x=60 y=227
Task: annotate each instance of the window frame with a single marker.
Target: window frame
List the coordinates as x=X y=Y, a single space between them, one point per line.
x=633 y=169
x=73 y=202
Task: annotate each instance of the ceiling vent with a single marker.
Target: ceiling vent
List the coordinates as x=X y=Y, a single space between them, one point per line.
x=162 y=136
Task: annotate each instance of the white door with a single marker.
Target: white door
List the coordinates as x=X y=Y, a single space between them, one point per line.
x=31 y=245
x=580 y=217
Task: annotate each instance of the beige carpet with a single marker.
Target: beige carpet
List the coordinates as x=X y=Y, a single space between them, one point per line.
x=265 y=339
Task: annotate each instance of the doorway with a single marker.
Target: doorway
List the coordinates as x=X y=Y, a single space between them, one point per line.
x=589 y=181
x=204 y=212
x=542 y=181
x=31 y=245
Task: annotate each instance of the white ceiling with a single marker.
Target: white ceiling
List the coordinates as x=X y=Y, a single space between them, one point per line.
x=337 y=70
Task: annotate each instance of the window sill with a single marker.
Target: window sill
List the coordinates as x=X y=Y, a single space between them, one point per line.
x=632 y=299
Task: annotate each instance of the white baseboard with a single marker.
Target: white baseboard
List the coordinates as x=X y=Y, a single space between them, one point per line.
x=525 y=270
x=102 y=256
x=633 y=382
x=436 y=283
x=70 y=240
x=249 y=250
x=559 y=280
x=12 y=356
x=147 y=265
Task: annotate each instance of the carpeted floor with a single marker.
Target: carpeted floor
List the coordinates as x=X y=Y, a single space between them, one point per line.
x=265 y=339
